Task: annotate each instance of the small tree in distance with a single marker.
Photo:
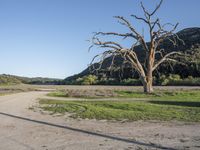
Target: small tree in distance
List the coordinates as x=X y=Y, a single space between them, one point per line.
x=154 y=56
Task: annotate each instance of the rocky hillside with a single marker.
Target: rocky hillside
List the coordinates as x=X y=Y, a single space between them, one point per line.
x=191 y=38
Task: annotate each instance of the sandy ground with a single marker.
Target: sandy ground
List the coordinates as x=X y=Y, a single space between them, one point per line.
x=24 y=129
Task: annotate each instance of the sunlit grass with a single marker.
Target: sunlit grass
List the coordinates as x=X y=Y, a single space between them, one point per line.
x=163 y=95
x=129 y=110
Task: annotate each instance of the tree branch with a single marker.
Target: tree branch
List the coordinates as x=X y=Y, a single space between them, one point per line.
x=165 y=58
x=125 y=35
x=157 y=7
x=140 y=18
x=138 y=36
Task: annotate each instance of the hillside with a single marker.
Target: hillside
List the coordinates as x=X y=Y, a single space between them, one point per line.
x=191 y=38
x=8 y=80
x=11 y=79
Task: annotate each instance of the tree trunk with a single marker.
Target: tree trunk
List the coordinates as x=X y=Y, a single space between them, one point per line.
x=148 y=86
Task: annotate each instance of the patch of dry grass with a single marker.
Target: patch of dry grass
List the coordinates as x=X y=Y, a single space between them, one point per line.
x=84 y=93
x=10 y=89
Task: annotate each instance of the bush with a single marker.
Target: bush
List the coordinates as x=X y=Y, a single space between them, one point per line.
x=109 y=81
x=163 y=80
x=130 y=81
x=189 y=82
x=174 y=79
x=87 y=80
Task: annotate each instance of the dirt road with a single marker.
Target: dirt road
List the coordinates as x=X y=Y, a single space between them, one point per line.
x=23 y=129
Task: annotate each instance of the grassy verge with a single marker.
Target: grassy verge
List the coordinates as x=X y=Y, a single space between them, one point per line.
x=185 y=110
x=190 y=95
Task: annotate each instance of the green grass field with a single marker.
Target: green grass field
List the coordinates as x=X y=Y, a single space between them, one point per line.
x=179 y=105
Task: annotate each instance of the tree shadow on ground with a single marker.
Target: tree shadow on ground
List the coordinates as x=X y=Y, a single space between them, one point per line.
x=177 y=103
x=149 y=145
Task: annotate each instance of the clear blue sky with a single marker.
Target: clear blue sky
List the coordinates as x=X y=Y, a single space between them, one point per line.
x=48 y=37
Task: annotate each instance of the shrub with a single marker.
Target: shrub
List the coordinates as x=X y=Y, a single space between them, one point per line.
x=175 y=79
x=172 y=79
x=78 y=81
x=109 y=81
x=162 y=80
x=86 y=80
x=188 y=81
x=130 y=81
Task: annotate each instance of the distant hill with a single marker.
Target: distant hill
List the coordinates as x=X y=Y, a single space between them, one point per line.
x=191 y=37
x=12 y=79
x=8 y=80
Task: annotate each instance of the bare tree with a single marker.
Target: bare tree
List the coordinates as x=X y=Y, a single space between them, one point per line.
x=154 y=55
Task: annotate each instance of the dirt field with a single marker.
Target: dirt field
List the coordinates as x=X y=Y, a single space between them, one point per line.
x=22 y=128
